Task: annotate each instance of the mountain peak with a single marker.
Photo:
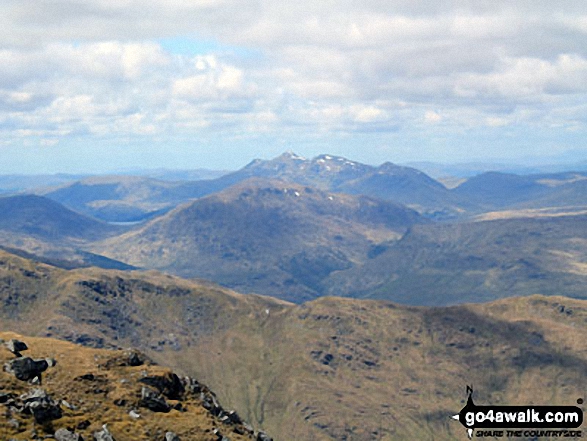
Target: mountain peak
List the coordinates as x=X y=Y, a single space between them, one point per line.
x=253 y=163
x=290 y=155
x=388 y=166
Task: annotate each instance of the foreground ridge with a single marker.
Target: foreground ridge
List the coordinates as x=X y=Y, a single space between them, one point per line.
x=71 y=393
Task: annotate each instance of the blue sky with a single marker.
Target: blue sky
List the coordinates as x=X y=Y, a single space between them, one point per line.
x=105 y=85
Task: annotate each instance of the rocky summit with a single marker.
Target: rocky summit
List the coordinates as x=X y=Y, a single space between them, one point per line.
x=102 y=395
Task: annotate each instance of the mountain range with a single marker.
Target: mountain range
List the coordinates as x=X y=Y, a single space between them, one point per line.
x=264 y=236
x=137 y=198
x=298 y=229
x=385 y=294
x=126 y=198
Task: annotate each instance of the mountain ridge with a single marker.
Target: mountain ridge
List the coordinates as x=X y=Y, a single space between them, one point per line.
x=261 y=234
x=327 y=369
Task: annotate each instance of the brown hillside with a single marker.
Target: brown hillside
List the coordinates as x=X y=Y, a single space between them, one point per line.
x=93 y=387
x=328 y=369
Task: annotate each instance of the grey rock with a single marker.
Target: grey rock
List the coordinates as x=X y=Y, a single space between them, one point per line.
x=15 y=346
x=170 y=436
x=68 y=405
x=211 y=404
x=25 y=368
x=262 y=436
x=135 y=358
x=66 y=435
x=191 y=386
x=219 y=435
x=103 y=435
x=41 y=406
x=153 y=400
x=234 y=418
x=169 y=385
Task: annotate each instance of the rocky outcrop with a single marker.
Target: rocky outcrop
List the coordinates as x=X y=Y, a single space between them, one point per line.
x=170 y=436
x=41 y=406
x=169 y=385
x=103 y=435
x=152 y=400
x=66 y=435
x=25 y=368
x=16 y=346
x=122 y=382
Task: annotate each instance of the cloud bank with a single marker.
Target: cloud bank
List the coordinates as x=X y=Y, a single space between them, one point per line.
x=413 y=73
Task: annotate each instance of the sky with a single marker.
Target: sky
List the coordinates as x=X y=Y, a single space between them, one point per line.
x=105 y=85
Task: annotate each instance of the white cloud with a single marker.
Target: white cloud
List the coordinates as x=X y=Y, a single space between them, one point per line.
x=95 y=67
x=367 y=114
x=432 y=117
x=529 y=79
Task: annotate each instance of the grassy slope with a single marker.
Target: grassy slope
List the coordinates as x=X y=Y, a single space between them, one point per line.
x=328 y=369
x=114 y=382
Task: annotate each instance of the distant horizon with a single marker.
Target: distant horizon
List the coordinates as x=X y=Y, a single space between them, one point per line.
x=460 y=169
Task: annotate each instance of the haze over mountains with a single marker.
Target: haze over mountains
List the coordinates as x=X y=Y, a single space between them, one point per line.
x=303 y=362
x=136 y=198
x=264 y=236
x=298 y=229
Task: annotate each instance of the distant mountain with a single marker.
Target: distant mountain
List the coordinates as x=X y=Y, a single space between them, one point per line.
x=163 y=174
x=470 y=169
x=43 y=229
x=264 y=236
x=565 y=190
x=133 y=198
x=19 y=183
x=42 y=218
x=411 y=187
x=498 y=190
x=330 y=369
x=405 y=185
x=494 y=190
x=116 y=198
x=445 y=264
